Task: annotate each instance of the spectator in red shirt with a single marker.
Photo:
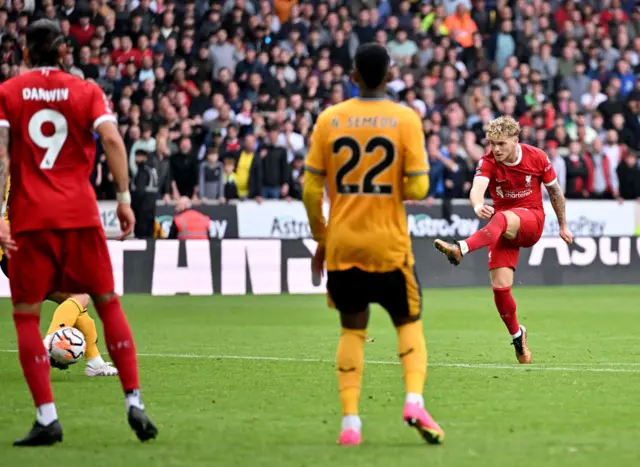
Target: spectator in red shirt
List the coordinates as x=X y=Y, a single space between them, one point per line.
x=126 y=53
x=615 y=14
x=84 y=30
x=184 y=85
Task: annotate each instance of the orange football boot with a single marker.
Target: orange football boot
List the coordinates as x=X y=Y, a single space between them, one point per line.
x=523 y=354
x=450 y=250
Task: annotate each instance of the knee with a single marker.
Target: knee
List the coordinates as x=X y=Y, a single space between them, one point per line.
x=355 y=321
x=402 y=320
x=82 y=299
x=501 y=278
x=103 y=298
x=513 y=223
x=27 y=308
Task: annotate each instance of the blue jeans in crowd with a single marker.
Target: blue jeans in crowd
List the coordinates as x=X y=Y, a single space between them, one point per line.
x=270 y=192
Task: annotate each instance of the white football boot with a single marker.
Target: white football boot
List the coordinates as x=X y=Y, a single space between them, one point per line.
x=98 y=367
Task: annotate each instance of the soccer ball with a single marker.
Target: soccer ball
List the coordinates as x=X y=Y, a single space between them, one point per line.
x=67 y=346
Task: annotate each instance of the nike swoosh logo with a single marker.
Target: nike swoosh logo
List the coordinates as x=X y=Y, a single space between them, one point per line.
x=404 y=354
x=346 y=370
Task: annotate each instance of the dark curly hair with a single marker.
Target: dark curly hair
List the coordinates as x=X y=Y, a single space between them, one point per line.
x=44 y=39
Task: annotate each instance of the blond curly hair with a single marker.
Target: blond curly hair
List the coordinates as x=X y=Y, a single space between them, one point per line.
x=502 y=127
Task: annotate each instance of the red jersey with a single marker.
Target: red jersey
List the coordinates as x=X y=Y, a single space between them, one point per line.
x=517 y=184
x=52 y=116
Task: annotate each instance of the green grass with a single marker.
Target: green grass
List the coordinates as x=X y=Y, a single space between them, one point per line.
x=576 y=406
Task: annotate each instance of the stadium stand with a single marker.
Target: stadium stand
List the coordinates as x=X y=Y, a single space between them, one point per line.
x=217 y=100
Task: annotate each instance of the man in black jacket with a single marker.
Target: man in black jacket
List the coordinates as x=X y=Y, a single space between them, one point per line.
x=275 y=170
x=629 y=176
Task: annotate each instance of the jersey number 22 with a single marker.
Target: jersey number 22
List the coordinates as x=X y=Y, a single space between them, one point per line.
x=368 y=187
x=54 y=143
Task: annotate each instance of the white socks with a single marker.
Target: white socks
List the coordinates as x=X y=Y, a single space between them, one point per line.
x=47 y=414
x=413 y=398
x=133 y=399
x=96 y=362
x=351 y=422
x=517 y=334
x=464 y=248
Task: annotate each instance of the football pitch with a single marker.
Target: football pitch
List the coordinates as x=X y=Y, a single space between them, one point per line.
x=250 y=381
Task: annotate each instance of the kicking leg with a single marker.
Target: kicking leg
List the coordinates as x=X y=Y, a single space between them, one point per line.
x=121 y=347
x=35 y=366
x=350 y=366
x=504 y=223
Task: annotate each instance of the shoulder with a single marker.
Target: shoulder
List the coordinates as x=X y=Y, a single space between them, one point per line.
x=327 y=115
x=89 y=87
x=487 y=160
x=485 y=165
x=10 y=86
x=406 y=114
x=534 y=155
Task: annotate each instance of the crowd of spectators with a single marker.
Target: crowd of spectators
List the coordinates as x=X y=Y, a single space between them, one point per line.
x=217 y=99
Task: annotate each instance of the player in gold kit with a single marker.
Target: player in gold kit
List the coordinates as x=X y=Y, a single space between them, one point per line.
x=71 y=312
x=370 y=151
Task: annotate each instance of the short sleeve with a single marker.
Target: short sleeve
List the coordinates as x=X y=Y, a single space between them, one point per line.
x=484 y=168
x=548 y=176
x=100 y=111
x=4 y=106
x=315 y=158
x=416 y=161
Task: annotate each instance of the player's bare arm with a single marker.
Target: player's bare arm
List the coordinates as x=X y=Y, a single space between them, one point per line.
x=556 y=197
x=6 y=242
x=476 y=197
x=313 y=193
x=116 y=154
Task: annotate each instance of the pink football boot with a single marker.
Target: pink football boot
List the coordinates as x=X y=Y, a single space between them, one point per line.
x=416 y=416
x=350 y=437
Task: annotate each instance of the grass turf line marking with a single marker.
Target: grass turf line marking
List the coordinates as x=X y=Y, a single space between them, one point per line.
x=578 y=367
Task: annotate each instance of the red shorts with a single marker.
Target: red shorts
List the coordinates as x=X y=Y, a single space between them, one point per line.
x=69 y=261
x=504 y=254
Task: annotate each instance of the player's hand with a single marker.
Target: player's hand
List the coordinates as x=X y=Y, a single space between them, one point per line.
x=317 y=263
x=127 y=220
x=566 y=235
x=484 y=211
x=7 y=243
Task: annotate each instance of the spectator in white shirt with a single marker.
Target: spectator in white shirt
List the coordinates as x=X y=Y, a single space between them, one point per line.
x=293 y=142
x=559 y=165
x=592 y=99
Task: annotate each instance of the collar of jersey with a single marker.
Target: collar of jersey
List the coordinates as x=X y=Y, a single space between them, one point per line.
x=371 y=99
x=45 y=68
x=518 y=159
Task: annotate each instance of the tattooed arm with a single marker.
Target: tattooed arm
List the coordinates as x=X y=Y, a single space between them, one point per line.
x=4 y=157
x=6 y=242
x=557 y=201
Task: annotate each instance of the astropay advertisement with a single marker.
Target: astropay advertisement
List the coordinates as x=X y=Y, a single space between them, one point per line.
x=594 y=218
x=274 y=219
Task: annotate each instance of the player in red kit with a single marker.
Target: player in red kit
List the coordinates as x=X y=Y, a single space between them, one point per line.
x=514 y=173
x=47 y=120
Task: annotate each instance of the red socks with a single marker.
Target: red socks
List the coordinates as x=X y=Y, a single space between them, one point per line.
x=507 y=308
x=489 y=234
x=33 y=357
x=119 y=340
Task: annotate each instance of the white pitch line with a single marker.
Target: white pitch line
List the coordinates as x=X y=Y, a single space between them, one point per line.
x=578 y=367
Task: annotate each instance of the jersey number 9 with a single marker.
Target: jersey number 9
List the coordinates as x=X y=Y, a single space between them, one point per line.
x=54 y=143
x=368 y=187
